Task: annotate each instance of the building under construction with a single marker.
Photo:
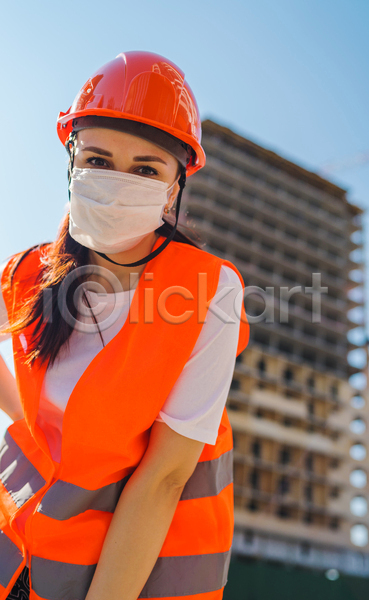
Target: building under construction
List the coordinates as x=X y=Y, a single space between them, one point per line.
x=300 y=460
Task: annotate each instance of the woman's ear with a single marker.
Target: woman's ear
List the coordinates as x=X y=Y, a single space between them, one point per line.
x=173 y=194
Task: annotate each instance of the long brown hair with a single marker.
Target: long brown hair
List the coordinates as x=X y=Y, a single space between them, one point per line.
x=64 y=255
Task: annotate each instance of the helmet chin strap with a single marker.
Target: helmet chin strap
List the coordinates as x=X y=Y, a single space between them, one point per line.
x=142 y=261
x=70 y=146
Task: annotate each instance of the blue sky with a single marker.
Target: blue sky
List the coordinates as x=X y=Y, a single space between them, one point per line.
x=290 y=75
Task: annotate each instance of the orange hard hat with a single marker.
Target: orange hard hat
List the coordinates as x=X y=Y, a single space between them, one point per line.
x=144 y=88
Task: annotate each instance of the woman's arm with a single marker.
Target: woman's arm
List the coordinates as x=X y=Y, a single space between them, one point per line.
x=9 y=397
x=143 y=515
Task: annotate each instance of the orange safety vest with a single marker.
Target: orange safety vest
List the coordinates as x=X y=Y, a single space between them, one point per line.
x=106 y=430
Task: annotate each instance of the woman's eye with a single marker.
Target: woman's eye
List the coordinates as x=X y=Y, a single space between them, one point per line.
x=97 y=161
x=146 y=170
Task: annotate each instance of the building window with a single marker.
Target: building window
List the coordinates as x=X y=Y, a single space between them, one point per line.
x=261 y=338
x=290 y=277
x=248 y=536
x=253 y=506
x=221 y=225
x=330 y=363
x=312 y=244
x=218 y=246
x=308 y=518
x=308 y=356
x=233 y=405
x=307 y=304
x=284 y=512
x=267 y=247
x=255 y=479
x=269 y=224
x=334 y=493
x=285 y=456
x=291 y=234
x=293 y=300
x=223 y=201
x=264 y=266
x=261 y=366
x=283 y=486
x=332 y=316
x=308 y=493
x=256 y=449
x=309 y=331
x=225 y=182
x=309 y=462
x=334 y=523
x=285 y=347
x=235 y=385
x=310 y=382
x=311 y=408
x=312 y=266
x=331 y=340
x=288 y=375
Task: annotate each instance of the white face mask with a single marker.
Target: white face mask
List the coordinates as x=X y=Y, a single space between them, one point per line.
x=111 y=211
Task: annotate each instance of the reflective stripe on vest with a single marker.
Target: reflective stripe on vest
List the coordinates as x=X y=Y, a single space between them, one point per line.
x=187 y=575
x=11 y=559
x=17 y=474
x=171 y=576
x=210 y=477
x=55 y=580
x=64 y=500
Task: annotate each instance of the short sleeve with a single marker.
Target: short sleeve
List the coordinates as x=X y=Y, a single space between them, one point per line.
x=3 y=312
x=196 y=402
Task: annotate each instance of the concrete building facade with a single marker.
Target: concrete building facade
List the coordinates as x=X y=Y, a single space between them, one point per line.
x=300 y=460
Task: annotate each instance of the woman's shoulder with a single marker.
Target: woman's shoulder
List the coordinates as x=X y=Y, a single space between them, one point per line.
x=23 y=264
x=196 y=252
x=199 y=257
x=34 y=250
x=229 y=276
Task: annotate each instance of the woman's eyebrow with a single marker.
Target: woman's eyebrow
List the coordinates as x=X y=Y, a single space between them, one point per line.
x=102 y=152
x=149 y=159
x=97 y=151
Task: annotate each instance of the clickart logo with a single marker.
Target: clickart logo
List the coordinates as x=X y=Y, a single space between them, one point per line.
x=89 y=294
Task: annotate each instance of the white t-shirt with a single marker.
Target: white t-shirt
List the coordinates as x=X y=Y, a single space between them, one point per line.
x=196 y=402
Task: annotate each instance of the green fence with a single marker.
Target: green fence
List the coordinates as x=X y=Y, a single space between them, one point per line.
x=259 y=580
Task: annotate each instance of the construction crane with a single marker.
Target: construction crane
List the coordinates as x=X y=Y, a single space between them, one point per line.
x=345 y=163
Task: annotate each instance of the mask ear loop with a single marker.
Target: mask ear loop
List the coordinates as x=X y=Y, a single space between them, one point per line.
x=182 y=184
x=70 y=146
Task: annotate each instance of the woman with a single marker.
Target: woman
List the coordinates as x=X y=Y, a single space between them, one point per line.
x=116 y=476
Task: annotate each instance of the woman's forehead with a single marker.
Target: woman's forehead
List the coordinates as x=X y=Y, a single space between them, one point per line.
x=119 y=141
